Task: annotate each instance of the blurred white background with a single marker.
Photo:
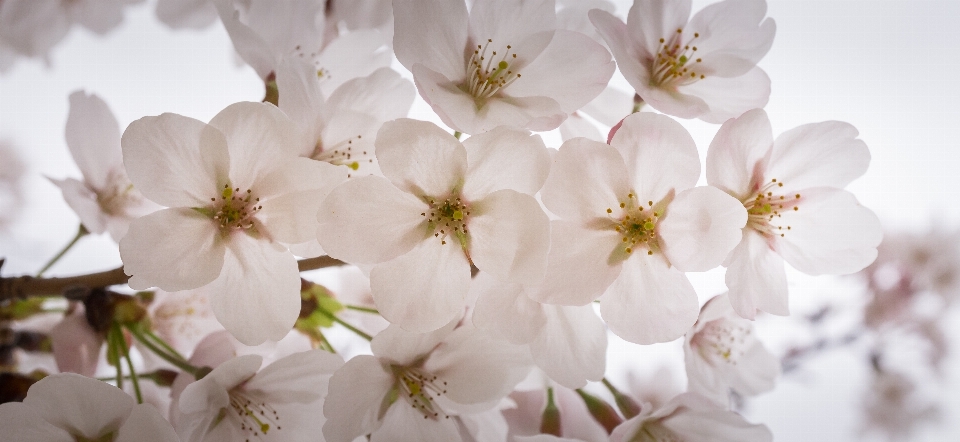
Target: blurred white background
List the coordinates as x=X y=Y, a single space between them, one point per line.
x=888 y=67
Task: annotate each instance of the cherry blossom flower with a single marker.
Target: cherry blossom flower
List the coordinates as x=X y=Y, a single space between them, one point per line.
x=76 y=345
x=631 y=223
x=414 y=383
x=236 y=190
x=340 y=129
x=442 y=206
x=702 y=68
x=503 y=64
x=798 y=212
x=105 y=200
x=722 y=353
x=689 y=416
x=265 y=31
x=569 y=343
x=240 y=401
x=33 y=27
x=68 y=407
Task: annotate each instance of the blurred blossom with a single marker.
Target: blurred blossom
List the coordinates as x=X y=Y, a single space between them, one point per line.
x=894 y=407
x=12 y=171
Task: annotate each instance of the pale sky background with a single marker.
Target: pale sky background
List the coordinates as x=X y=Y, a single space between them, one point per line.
x=890 y=68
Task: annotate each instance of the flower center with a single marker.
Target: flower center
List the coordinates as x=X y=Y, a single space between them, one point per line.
x=118 y=195
x=342 y=154
x=448 y=217
x=638 y=225
x=235 y=210
x=256 y=417
x=487 y=73
x=420 y=390
x=676 y=62
x=765 y=207
x=722 y=341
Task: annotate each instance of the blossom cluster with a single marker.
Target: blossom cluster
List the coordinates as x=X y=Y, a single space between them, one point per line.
x=473 y=257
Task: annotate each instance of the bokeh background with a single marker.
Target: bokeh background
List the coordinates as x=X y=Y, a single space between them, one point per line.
x=891 y=68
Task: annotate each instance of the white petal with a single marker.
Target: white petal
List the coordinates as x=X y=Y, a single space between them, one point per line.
x=22 y=423
x=700 y=419
x=650 y=302
x=423 y=289
x=576 y=126
x=257 y=295
x=292 y=197
x=84 y=203
x=145 y=424
x=211 y=392
x=505 y=310
x=756 y=277
x=733 y=36
x=65 y=401
x=174 y=160
x=818 y=154
x=627 y=52
x=650 y=20
x=368 y=220
x=353 y=55
x=508 y=22
x=572 y=348
x=659 y=153
x=757 y=371
x=353 y=401
x=398 y=346
x=730 y=97
x=702 y=225
x=301 y=377
x=76 y=345
x=431 y=33
x=383 y=95
x=93 y=136
x=260 y=138
x=830 y=234
x=572 y=70
x=301 y=99
x=609 y=107
x=403 y=423
x=477 y=368
x=738 y=151
x=505 y=158
x=173 y=249
x=509 y=236
x=586 y=179
x=421 y=158
x=578 y=267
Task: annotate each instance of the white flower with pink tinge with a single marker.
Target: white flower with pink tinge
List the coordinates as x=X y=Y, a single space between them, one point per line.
x=503 y=64
x=442 y=206
x=105 y=200
x=237 y=192
x=68 y=407
x=792 y=188
x=722 y=353
x=703 y=68
x=240 y=401
x=415 y=385
x=689 y=417
x=631 y=223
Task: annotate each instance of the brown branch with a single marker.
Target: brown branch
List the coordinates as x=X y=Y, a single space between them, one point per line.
x=22 y=287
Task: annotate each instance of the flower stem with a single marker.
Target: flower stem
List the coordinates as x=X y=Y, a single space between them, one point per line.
x=157 y=340
x=126 y=355
x=333 y=317
x=177 y=362
x=362 y=309
x=81 y=232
